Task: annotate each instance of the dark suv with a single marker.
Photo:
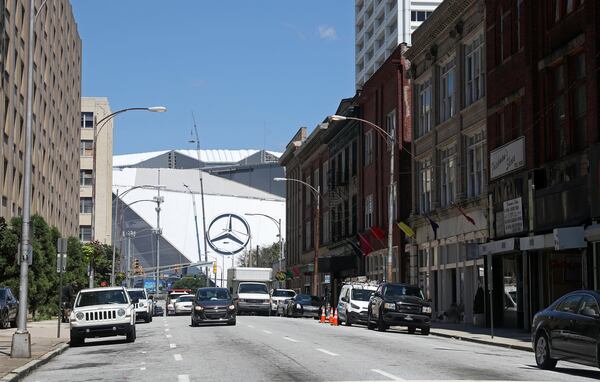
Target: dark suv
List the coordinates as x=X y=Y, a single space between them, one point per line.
x=399 y=305
x=9 y=308
x=213 y=305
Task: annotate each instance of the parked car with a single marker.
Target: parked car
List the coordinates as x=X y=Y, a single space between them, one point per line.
x=278 y=296
x=304 y=305
x=354 y=302
x=9 y=308
x=213 y=305
x=102 y=312
x=569 y=329
x=183 y=304
x=144 y=306
x=399 y=305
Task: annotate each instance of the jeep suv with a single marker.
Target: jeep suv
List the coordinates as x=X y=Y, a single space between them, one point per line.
x=143 y=308
x=399 y=305
x=102 y=312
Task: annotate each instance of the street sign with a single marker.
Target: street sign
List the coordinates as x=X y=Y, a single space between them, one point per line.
x=28 y=256
x=61 y=262
x=61 y=245
x=215 y=268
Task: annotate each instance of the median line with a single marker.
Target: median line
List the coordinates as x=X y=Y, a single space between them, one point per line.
x=327 y=352
x=290 y=339
x=388 y=375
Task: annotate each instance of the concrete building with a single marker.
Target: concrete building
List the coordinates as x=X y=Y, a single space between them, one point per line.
x=450 y=169
x=380 y=26
x=95 y=184
x=56 y=112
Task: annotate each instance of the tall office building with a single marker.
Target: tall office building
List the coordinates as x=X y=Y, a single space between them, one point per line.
x=95 y=185
x=380 y=26
x=56 y=107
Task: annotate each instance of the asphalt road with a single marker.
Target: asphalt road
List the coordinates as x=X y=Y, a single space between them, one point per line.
x=287 y=349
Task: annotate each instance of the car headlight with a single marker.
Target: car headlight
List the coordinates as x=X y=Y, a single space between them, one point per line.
x=121 y=312
x=298 y=306
x=199 y=308
x=141 y=305
x=79 y=316
x=231 y=307
x=354 y=306
x=390 y=305
x=426 y=309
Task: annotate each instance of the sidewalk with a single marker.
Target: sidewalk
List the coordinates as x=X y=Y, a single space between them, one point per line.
x=44 y=346
x=508 y=338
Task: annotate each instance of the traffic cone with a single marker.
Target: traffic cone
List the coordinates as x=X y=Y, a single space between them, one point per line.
x=334 y=321
x=331 y=316
x=322 y=320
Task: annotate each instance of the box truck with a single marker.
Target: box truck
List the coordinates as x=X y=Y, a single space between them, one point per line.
x=250 y=289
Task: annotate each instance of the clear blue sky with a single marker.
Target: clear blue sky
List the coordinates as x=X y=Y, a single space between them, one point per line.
x=252 y=72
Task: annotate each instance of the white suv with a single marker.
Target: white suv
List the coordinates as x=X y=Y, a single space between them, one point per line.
x=143 y=308
x=354 y=302
x=102 y=312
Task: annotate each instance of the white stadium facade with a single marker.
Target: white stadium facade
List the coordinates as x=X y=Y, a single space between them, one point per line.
x=236 y=185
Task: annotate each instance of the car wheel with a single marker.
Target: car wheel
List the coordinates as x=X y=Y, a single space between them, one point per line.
x=411 y=330
x=150 y=318
x=76 y=340
x=370 y=325
x=232 y=323
x=381 y=326
x=347 y=321
x=131 y=334
x=542 y=353
x=425 y=331
x=4 y=323
x=13 y=323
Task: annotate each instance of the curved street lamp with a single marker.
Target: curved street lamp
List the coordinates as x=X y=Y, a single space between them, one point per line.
x=317 y=193
x=391 y=192
x=278 y=224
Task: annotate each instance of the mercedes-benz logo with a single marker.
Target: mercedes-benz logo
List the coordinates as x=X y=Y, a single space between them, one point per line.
x=228 y=234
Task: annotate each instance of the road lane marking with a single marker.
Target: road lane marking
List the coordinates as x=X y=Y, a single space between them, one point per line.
x=167 y=329
x=169 y=336
x=388 y=375
x=327 y=352
x=268 y=332
x=172 y=346
x=290 y=339
x=183 y=378
x=177 y=357
x=142 y=368
x=250 y=326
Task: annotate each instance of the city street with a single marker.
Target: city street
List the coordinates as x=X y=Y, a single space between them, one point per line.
x=284 y=349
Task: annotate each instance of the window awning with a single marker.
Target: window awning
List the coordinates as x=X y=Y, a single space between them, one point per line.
x=498 y=247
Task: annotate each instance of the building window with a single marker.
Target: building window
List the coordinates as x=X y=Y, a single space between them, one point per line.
x=561 y=8
x=579 y=102
x=369 y=147
x=308 y=235
x=85 y=233
x=368 y=211
x=390 y=125
x=476 y=164
x=447 y=99
x=419 y=15
x=559 y=113
x=475 y=72
x=326 y=231
x=425 y=174
x=307 y=193
x=424 y=108
x=448 y=177
x=325 y=176
x=87 y=120
x=317 y=180
x=86 y=148
x=85 y=205
x=85 y=178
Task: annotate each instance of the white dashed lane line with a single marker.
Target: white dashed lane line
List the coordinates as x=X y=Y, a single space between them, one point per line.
x=290 y=339
x=183 y=378
x=327 y=352
x=388 y=375
x=142 y=368
x=177 y=357
x=250 y=326
x=172 y=346
x=268 y=332
x=169 y=336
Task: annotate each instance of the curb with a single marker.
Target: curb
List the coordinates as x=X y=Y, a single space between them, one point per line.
x=483 y=342
x=20 y=372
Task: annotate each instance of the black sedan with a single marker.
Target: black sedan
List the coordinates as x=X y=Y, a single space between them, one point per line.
x=9 y=307
x=304 y=305
x=399 y=305
x=569 y=329
x=213 y=305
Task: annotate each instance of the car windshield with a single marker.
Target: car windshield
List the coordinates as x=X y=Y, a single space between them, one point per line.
x=139 y=294
x=307 y=299
x=253 y=288
x=2 y=294
x=185 y=299
x=283 y=293
x=212 y=294
x=361 y=294
x=395 y=291
x=101 y=297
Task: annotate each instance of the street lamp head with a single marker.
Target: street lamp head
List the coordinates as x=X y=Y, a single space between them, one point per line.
x=157 y=109
x=279 y=179
x=337 y=118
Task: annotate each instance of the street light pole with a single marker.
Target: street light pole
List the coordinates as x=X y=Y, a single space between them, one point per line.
x=158 y=200
x=196 y=223
x=278 y=224
x=317 y=193
x=21 y=340
x=391 y=192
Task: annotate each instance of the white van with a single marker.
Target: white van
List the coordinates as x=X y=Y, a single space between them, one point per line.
x=354 y=302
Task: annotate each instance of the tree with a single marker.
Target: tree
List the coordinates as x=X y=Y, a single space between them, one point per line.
x=188 y=282
x=100 y=256
x=266 y=257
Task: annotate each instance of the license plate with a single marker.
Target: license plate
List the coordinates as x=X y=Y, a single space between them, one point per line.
x=408 y=318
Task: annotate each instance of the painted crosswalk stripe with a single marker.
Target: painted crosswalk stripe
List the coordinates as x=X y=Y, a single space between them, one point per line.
x=388 y=375
x=327 y=352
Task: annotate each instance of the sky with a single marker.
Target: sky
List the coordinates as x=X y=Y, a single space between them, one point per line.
x=251 y=72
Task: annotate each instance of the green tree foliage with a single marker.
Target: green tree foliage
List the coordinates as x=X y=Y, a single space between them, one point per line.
x=266 y=257
x=187 y=282
x=101 y=258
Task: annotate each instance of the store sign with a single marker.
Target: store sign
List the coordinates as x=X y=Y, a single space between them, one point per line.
x=513 y=216
x=507 y=158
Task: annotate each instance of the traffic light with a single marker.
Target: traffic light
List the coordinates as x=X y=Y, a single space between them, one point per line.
x=136 y=266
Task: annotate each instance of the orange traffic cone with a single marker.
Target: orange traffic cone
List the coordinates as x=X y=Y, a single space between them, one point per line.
x=334 y=322
x=331 y=315
x=322 y=320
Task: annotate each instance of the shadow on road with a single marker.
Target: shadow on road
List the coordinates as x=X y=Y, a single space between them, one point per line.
x=584 y=373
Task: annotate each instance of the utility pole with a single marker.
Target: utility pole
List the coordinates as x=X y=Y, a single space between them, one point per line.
x=159 y=199
x=197 y=141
